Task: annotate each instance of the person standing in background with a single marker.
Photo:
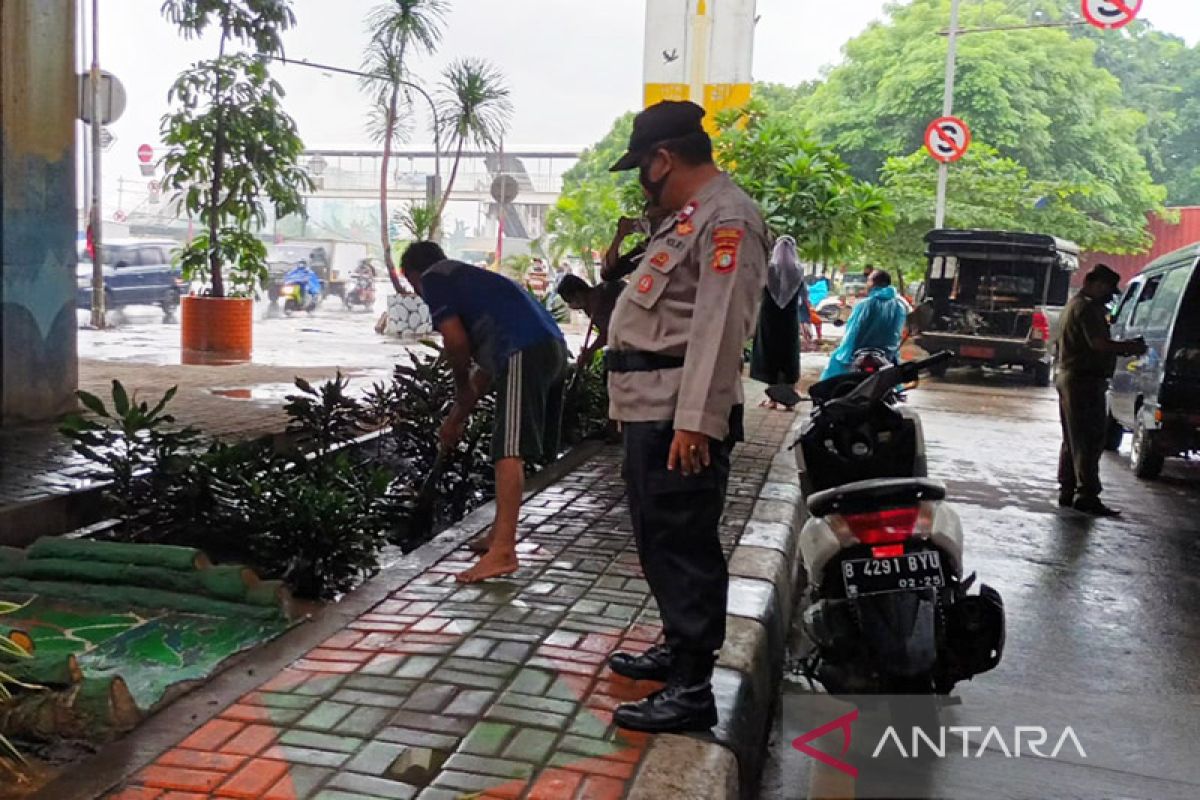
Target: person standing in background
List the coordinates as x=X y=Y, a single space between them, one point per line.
x=775 y=359
x=616 y=265
x=1086 y=359
x=598 y=303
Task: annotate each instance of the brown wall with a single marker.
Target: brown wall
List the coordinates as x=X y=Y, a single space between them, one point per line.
x=1168 y=235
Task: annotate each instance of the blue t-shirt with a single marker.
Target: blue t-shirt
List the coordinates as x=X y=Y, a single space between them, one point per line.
x=500 y=317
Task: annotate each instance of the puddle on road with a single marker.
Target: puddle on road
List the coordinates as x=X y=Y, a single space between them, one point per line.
x=261 y=392
x=418 y=766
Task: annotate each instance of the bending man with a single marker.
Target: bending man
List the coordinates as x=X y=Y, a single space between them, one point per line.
x=494 y=332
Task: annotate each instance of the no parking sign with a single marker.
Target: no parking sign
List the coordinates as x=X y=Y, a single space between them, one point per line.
x=947 y=139
x=1111 y=14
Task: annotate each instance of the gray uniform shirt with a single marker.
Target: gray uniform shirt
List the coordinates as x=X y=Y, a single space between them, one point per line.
x=695 y=294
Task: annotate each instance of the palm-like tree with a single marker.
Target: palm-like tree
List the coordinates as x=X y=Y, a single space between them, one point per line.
x=475 y=108
x=397 y=28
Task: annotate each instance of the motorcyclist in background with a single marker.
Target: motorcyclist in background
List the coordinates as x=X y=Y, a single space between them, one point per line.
x=876 y=323
x=310 y=281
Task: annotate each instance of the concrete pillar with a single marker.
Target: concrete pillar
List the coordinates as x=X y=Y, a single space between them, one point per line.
x=38 y=369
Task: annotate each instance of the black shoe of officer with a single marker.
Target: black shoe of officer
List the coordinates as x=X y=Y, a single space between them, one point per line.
x=653 y=665
x=1066 y=500
x=675 y=709
x=1093 y=506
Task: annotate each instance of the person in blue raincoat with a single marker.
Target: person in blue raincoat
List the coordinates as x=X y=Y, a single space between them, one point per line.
x=818 y=291
x=304 y=275
x=876 y=323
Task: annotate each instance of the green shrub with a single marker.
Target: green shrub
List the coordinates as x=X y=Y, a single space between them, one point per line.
x=9 y=651
x=318 y=513
x=585 y=404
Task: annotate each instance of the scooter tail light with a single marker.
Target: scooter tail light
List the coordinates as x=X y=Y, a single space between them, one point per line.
x=1039 y=329
x=887 y=551
x=884 y=527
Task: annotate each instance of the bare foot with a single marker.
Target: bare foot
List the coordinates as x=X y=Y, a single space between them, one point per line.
x=491 y=565
x=481 y=543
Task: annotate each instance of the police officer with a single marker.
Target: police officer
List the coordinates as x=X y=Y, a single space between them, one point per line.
x=674 y=361
x=1086 y=359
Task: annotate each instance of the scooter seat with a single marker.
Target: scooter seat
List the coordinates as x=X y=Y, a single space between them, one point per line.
x=876 y=494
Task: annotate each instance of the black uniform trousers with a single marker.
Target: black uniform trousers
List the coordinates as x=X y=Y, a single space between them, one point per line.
x=676 y=523
x=1083 y=410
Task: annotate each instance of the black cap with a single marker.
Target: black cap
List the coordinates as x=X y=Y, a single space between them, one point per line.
x=1105 y=273
x=670 y=119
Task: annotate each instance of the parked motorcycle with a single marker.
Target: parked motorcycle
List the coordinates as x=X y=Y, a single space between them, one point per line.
x=362 y=293
x=889 y=610
x=301 y=289
x=833 y=311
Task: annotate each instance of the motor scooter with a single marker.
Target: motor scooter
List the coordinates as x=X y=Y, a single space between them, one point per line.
x=888 y=609
x=301 y=289
x=363 y=291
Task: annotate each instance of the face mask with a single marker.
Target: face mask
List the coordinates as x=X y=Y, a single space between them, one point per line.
x=653 y=188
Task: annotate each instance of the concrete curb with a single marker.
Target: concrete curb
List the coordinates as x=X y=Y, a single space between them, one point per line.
x=764 y=569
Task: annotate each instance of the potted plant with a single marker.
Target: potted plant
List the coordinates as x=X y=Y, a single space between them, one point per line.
x=231 y=152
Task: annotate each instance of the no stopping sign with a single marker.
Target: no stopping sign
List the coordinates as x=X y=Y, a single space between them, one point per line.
x=1111 y=14
x=947 y=139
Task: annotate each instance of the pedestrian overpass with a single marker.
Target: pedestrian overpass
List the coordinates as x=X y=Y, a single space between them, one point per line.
x=353 y=175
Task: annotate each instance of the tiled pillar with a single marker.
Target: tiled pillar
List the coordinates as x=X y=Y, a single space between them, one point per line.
x=38 y=98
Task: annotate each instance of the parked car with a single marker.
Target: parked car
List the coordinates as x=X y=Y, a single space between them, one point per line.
x=994 y=298
x=854 y=287
x=1156 y=396
x=137 y=272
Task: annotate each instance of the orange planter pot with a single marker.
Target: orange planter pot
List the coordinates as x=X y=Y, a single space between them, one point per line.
x=216 y=329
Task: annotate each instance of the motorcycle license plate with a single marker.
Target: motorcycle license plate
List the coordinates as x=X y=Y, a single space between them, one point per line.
x=919 y=570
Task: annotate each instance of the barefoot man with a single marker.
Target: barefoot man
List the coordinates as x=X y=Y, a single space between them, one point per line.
x=493 y=331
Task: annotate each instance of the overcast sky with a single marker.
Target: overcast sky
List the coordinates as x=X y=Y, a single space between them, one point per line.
x=572 y=65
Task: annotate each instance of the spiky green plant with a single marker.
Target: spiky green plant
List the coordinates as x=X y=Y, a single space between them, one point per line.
x=10 y=650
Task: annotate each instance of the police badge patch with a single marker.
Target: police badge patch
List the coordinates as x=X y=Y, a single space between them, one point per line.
x=726 y=243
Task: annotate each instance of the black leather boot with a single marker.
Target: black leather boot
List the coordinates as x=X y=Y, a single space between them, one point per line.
x=653 y=665
x=686 y=704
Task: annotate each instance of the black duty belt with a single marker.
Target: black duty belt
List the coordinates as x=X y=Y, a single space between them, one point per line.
x=639 y=361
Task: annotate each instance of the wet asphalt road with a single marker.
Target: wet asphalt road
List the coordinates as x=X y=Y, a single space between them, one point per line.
x=330 y=336
x=1103 y=618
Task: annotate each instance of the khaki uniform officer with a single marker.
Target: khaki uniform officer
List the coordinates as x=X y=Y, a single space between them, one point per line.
x=1086 y=358
x=675 y=360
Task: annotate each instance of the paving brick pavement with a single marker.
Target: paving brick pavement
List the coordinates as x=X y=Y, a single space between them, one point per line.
x=442 y=691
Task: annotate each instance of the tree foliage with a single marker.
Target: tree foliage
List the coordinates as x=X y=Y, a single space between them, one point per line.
x=593 y=199
x=397 y=28
x=1160 y=76
x=1037 y=96
x=595 y=161
x=989 y=191
x=232 y=149
x=803 y=188
x=475 y=108
x=585 y=217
